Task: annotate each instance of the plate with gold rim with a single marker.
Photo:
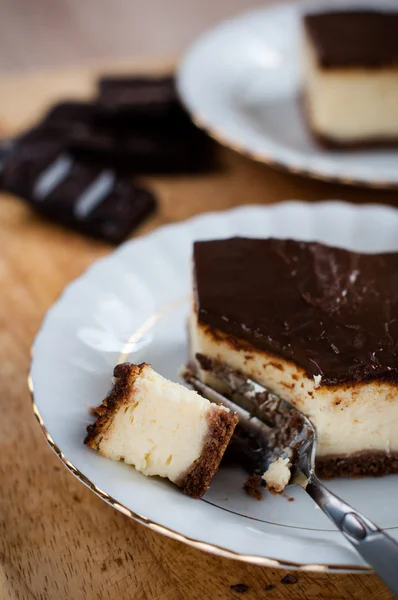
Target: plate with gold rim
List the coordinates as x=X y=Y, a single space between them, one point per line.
x=242 y=81
x=133 y=305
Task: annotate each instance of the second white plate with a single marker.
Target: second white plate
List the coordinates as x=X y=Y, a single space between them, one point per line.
x=241 y=82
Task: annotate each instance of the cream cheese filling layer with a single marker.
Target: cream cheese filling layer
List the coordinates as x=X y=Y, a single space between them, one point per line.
x=161 y=431
x=348 y=418
x=350 y=105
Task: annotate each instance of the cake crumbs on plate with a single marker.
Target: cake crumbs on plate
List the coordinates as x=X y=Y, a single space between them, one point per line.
x=252 y=486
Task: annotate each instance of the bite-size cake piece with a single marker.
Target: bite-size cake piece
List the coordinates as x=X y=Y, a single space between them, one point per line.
x=278 y=474
x=314 y=324
x=161 y=428
x=351 y=77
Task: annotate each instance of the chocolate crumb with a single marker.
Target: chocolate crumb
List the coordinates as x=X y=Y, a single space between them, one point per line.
x=289 y=579
x=76 y=498
x=252 y=486
x=92 y=411
x=204 y=362
x=240 y=588
x=288 y=498
x=268 y=587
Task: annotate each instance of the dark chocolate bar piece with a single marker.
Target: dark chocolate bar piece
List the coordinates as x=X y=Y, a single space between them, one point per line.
x=155 y=145
x=29 y=155
x=156 y=133
x=74 y=114
x=70 y=113
x=142 y=104
x=169 y=145
x=79 y=195
x=103 y=205
x=150 y=152
x=156 y=96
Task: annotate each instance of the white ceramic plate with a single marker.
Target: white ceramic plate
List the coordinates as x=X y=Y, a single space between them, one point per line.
x=241 y=82
x=135 y=302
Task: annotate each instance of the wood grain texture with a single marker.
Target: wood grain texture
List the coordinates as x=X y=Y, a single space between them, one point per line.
x=57 y=539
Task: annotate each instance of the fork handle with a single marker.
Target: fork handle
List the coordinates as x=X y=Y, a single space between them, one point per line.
x=375 y=546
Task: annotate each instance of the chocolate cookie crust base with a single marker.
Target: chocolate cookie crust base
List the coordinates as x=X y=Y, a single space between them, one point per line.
x=125 y=374
x=196 y=481
x=332 y=144
x=361 y=464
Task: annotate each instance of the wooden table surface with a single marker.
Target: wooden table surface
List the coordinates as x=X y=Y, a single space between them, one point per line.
x=57 y=539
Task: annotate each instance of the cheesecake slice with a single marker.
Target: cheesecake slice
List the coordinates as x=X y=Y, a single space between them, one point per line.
x=316 y=325
x=161 y=428
x=351 y=77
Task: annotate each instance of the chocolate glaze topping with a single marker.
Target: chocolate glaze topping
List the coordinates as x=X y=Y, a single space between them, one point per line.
x=361 y=38
x=331 y=311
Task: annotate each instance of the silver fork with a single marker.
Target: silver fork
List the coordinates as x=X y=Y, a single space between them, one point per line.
x=281 y=426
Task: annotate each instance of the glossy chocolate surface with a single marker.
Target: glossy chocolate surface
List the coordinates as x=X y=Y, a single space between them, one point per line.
x=361 y=38
x=332 y=312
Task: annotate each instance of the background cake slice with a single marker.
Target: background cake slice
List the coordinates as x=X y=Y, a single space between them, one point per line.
x=316 y=325
x=161 y=428
x=351 y=77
